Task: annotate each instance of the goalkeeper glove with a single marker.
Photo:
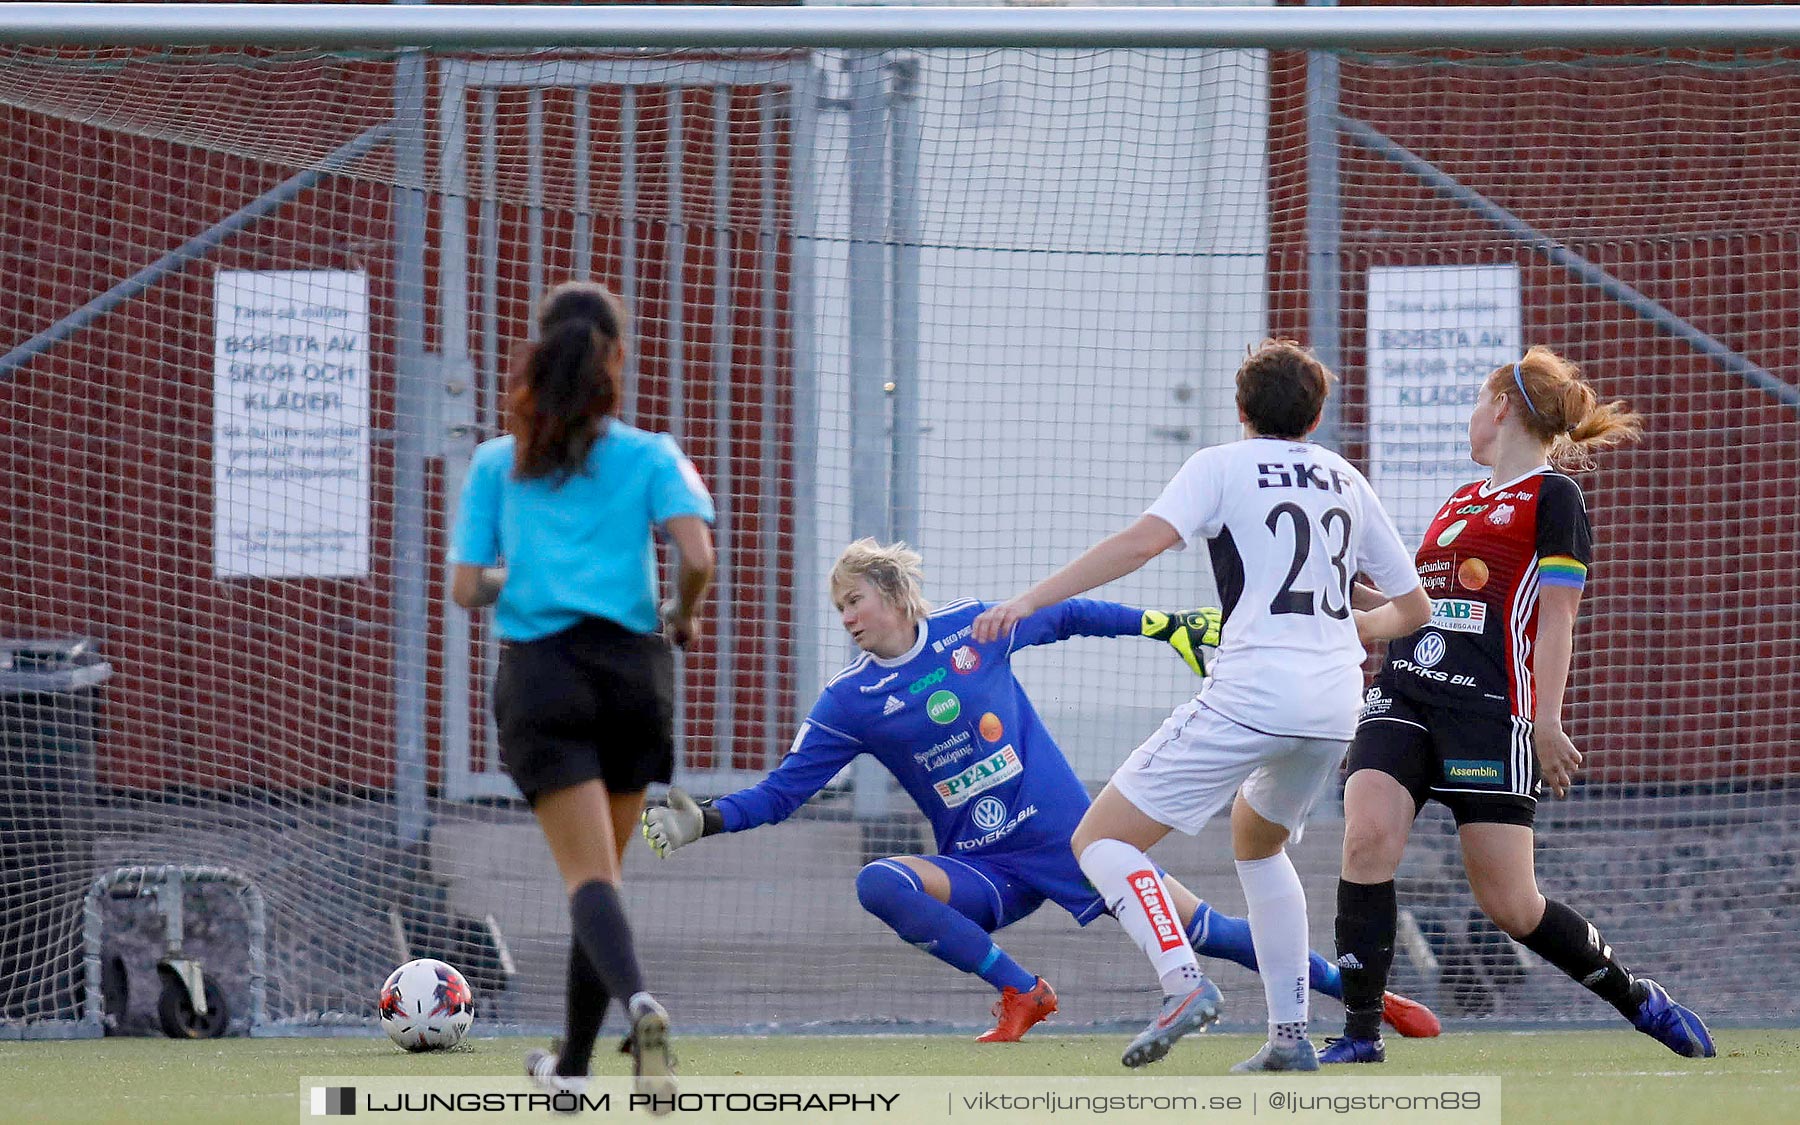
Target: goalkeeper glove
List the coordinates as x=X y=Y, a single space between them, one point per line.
x=680 y=822
x=1186 y=632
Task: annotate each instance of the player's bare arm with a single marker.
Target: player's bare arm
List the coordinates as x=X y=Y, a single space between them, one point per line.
x=1397 y=618
x=476 y=587
x=1117 y=555
x=1556 y=752
x=1366 y=597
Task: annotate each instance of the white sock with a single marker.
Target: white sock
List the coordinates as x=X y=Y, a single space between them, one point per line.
x=1278 y=932
x=1127 y=880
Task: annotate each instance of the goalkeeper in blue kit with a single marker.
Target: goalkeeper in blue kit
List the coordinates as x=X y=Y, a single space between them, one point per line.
x=946 y=716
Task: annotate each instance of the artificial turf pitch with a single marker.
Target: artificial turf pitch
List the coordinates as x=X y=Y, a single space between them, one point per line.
x=1559 y=1076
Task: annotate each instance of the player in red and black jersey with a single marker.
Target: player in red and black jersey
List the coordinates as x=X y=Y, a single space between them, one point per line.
x=1468 y=710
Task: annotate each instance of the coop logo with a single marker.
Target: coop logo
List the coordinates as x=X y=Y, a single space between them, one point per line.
x=1456 y=615
x=1149 y=894
x=988 y=814
x=943 y=706
x=983 y=775
x=1430 y=650
x=1459 y=770
x=935 y=676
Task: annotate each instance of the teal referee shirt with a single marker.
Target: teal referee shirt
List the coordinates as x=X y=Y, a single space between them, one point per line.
x=581 y=547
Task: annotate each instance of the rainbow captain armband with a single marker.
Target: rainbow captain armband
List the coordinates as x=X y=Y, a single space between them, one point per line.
x=1561 y=570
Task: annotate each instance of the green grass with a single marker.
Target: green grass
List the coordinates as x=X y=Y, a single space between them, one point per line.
x=1588 y=1077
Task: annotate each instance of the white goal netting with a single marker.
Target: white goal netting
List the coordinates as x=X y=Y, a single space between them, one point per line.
x=255 y=319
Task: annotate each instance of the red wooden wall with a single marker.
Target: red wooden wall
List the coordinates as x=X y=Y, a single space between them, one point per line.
x=1681 y=181
x=105 y=457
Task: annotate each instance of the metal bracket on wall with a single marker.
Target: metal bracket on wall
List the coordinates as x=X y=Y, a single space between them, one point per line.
x=453 y=428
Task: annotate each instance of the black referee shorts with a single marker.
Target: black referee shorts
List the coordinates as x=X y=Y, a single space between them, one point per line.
x=595 y=701
x=1479 y=765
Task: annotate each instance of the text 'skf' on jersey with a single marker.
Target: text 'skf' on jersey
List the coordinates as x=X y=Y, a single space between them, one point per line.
x=1289 y=525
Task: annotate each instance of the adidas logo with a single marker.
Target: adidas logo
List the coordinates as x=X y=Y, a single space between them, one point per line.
x=1349 y=961
x=893 y=705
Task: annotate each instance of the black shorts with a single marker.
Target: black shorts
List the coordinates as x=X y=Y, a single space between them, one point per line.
x=595 y=701
x=1479 y=765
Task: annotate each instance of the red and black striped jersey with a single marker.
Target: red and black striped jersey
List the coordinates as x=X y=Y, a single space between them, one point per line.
x=1485 y=556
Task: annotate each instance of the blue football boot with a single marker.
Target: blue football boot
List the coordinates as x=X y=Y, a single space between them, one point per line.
x=1348 y=1050
x=1670 y=1024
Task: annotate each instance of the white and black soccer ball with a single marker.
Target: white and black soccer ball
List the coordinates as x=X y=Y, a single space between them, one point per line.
x=426 y=1005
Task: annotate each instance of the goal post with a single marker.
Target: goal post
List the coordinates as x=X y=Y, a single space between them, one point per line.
x=974 y=277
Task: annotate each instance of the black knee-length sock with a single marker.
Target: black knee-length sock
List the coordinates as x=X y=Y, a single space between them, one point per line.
x=585 y=1006
x=598 y=917
x=1367 y=917
x=1573 y=944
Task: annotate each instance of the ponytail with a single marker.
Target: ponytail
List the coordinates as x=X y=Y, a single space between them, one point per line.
x=566 y=384
x=1561 y=409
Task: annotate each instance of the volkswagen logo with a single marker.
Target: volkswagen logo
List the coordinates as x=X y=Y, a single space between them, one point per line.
x=1430 y=650
x=988 y=813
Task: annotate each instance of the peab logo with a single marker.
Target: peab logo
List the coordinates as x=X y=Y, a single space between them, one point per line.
x=999 y=767
x=1457 y=615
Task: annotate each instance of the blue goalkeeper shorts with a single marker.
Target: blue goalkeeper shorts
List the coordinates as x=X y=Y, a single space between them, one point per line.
x=997 y=889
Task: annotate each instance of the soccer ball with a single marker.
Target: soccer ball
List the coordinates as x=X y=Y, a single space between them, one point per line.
x=426 y=1006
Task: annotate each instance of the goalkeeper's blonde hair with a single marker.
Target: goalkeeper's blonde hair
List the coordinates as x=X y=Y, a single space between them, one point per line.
x=894 y=569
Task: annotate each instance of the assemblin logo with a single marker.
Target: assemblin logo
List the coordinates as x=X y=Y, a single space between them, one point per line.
x=1472 y=771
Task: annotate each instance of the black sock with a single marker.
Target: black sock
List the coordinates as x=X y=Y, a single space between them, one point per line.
x=586 y=1008
x=1367 y=916
x=604 y=935
x=1572 y=943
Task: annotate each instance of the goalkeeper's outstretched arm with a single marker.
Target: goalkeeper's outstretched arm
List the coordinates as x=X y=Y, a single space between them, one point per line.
x=1115 y=556
x=819 y=752
x=1188 y=632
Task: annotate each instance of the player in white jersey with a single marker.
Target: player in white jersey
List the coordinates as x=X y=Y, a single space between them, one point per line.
x=1289 y=525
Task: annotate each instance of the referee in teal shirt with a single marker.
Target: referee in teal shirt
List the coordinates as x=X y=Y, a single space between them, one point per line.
x=555 y=531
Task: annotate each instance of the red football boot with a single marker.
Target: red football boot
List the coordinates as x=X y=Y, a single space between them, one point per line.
x=1409 y=1017
x=1016 y=1012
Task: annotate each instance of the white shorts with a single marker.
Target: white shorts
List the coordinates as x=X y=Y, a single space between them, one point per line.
x=1193 y=765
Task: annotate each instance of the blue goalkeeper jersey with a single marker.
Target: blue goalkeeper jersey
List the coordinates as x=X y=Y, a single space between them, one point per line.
x=952 y=724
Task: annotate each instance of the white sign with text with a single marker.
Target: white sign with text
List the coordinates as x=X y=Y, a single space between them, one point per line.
x=1434 y=332
x=291 y=424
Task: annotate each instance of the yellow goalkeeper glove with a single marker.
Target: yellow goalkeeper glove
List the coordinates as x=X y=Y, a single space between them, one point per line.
x=1187 y=632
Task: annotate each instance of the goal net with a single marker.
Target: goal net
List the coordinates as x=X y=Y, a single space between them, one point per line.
x=260 y=302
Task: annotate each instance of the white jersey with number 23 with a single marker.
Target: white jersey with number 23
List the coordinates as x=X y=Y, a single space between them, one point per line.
x=1289 y=525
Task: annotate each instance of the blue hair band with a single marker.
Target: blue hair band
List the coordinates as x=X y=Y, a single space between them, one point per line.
x=1519 y=379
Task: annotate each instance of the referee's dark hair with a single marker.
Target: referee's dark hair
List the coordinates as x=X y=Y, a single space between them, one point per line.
x=1280 y=389
x=567 y=383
